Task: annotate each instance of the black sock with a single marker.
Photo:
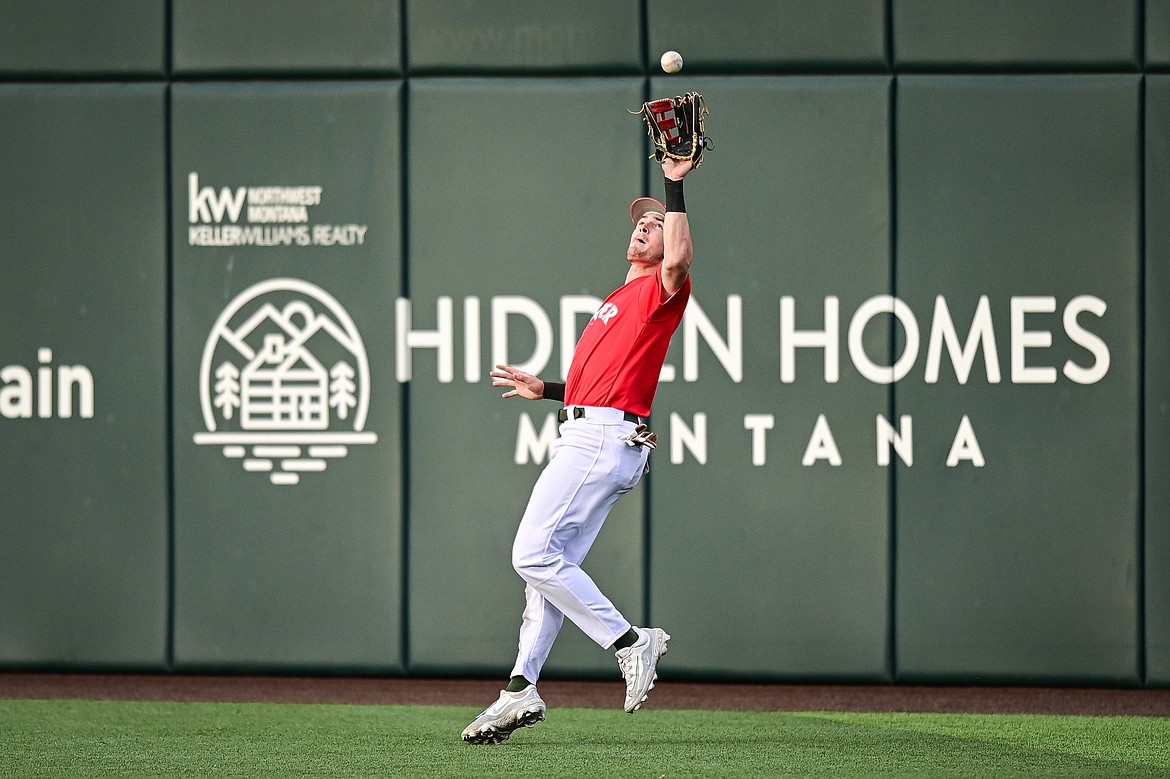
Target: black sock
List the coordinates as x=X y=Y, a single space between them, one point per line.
x=628 y=639
x=517 y=683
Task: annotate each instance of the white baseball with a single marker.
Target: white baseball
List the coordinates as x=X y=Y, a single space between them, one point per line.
x=671 y=62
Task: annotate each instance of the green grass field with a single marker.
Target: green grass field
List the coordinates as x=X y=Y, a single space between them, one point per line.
x=74 y=738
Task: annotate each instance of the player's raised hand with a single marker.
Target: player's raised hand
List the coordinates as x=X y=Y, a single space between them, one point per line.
x=676 y=169
x=523 y=384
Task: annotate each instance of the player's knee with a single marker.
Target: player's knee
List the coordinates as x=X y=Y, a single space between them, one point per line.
x=530 y=564
x=525 y=567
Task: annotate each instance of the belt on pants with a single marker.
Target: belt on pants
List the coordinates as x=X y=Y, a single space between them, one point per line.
x=593 y=412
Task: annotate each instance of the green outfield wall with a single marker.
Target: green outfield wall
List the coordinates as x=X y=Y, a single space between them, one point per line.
x=260 y=258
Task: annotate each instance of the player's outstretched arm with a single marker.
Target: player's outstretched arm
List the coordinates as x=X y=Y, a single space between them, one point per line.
x=677 y=249
x=522 y=384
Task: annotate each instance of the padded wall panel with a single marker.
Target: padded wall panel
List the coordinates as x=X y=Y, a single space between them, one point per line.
x=287 y=450
x=1024 y=191
x=762 y=565
x=83 y=405
x=756 y=35
x=1016 y=34
x=541 y=227
x=286 y=37
x=523 y=36
x=1157 y=31
x=58 y=38
x=1157 y=373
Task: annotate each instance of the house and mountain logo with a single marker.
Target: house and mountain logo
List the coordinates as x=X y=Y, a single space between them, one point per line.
x=284 y=382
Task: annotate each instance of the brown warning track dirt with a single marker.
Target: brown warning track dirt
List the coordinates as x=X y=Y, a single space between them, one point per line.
x=668 y=694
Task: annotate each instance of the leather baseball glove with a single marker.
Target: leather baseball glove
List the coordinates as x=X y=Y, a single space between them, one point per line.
x=675 y=126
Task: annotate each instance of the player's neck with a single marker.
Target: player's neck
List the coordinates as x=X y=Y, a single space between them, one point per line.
x=639 y=269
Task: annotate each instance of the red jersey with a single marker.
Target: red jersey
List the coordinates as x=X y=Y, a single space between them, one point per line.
x=620 y=354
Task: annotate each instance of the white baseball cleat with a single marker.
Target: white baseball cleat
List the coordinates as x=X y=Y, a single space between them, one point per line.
x=512 y=711
x=638 y=664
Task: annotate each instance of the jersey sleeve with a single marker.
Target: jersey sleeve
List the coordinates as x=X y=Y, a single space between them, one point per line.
x=653 y=307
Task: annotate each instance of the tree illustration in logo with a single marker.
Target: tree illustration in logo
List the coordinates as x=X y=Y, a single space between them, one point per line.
x=341 y=389
x=227 y=389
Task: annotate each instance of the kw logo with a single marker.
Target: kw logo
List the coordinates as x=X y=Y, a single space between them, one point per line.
x=204 y=205
x=266 y=393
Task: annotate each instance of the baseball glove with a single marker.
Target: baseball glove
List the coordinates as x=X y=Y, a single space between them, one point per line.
x=675 y=126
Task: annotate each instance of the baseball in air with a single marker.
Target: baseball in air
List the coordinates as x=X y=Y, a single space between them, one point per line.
x=671 y=62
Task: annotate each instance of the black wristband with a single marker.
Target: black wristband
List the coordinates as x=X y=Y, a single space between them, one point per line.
x=674 y=196
x=554 y=390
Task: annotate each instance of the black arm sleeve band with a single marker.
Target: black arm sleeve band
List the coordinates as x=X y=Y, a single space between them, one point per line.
x=554 y=391
x=674 y=197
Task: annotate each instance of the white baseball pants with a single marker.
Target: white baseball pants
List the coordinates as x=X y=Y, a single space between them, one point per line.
x=589 y=468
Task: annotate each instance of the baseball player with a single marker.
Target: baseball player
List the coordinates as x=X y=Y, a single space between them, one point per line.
x=600 y=455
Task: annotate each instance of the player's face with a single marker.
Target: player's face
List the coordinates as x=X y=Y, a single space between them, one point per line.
x=646 y=241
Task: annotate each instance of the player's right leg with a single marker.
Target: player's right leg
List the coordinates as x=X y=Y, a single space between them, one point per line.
x=512 y=711
x=539 y=627
x=569 y=505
